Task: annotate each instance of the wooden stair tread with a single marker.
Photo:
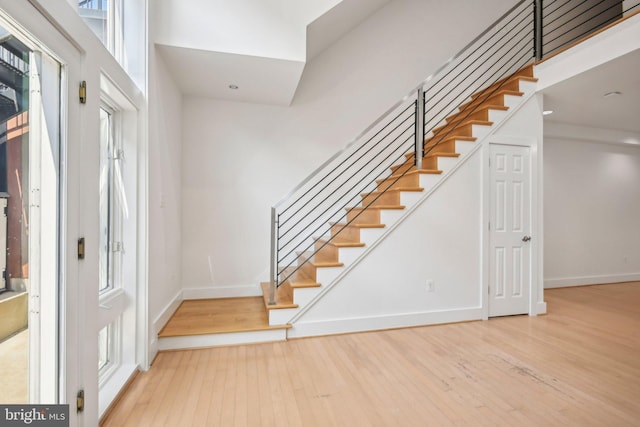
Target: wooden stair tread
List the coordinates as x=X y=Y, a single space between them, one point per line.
x=488 y=97
x=388 y=207
x=359 y=225
x=283 y=299
x=429 y=154
x=461 y=123
x=339 y=244
x=430 y=142
x=421 y=171
x=394 y=190
x=309 y=259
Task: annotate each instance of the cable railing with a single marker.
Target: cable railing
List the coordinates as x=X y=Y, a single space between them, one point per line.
x=326 y=203
x=563 y=22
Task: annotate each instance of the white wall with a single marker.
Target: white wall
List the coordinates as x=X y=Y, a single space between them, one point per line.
x=592 y=210
x=239 y=159
x=165 y=188
x=439 y=241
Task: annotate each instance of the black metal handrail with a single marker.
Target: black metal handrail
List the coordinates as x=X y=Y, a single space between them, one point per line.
x=302 y=219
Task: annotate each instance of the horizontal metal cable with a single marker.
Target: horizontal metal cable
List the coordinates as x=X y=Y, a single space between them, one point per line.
x=350 y=181
x=345 y=160
x=411 y=126
x=353 y=164
x=600 y=24
x=346 y=204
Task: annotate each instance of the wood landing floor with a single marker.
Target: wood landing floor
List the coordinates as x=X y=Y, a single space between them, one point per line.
x=579 y=365
x=212 y=316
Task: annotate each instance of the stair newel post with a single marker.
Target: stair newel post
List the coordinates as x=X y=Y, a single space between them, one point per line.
x=274 y=258
x=419 y=119
x=537 y=29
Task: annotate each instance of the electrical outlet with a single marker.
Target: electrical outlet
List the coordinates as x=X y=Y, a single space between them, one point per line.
x=431 y=287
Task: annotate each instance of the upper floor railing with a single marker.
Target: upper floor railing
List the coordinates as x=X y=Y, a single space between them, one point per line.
x=301 y=222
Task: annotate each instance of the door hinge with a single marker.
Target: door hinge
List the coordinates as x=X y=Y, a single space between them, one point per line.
x=34 y=304
x=81 y=248
x=489 y=161
x=117 y=247
x=82 y=92
x=80 y=401
x=489 y=225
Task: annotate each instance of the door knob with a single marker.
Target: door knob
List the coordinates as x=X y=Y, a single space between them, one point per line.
x=526 y=238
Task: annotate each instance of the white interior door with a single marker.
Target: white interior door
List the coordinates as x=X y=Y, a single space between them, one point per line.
x=510 y=230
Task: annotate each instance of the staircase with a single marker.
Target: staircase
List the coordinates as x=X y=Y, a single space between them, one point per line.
x=446 y=147
x=330 y=221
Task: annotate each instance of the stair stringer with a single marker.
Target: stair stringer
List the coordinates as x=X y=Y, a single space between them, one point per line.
x=294 y=316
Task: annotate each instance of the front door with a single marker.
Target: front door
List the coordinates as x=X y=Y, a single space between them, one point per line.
x=510 y=230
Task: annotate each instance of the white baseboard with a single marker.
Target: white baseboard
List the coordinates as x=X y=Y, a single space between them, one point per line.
x=590 y=280
x=222 y=292
x=166 y=313
x=541 y=308
x=339 y=326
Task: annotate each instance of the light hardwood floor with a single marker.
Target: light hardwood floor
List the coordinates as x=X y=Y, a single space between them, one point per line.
x=577 y=366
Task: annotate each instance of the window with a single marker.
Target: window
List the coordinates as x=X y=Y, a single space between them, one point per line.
x=116 y=328
x=112 y=205
x=102 y=16
x=111 y=202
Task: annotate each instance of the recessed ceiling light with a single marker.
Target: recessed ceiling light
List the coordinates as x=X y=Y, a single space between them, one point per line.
x=233 y=87
x=547 y=112
x=614 y=93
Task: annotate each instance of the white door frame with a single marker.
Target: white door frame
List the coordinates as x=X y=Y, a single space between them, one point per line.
x=536 y=297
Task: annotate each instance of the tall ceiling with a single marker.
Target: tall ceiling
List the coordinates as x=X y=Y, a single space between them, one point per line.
x=259 y=78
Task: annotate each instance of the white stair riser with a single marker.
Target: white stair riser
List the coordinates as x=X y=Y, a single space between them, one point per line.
x=302 y=296
x=349 y=255
x=445 y=164
x=497 y=115
x=464 y=147
x=512 y=100
x=428 y=181
x=480 y=131
x=215 y=340
x=281 y=316
x=410 y=198
x=370 y=235
x=325 y=275
x=527 y=87
x=389 y=217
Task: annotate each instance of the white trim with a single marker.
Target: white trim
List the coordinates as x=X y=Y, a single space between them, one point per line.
x=590 y=280
x=392 y=321
x=214 y=340
x=603 y=47
x=222 y=292
x=541 y=307
x=117 y=381
x=166 y=313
